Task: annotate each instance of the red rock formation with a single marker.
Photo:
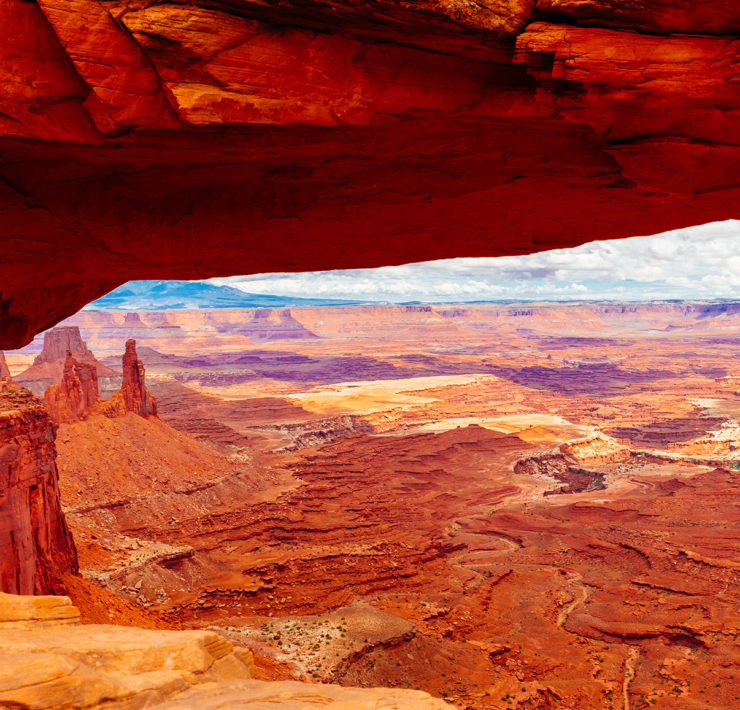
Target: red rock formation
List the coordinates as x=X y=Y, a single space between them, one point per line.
x=4 y=370
x=50 y=364
x=133 y=395
x=35 y=544
x=272 y=324
x=76 y=395
x=63 y=340
x=190 y=140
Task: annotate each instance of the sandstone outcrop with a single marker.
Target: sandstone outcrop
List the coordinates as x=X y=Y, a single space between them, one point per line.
x=76 y=395
x=26 y=612
x=291 y=695
x=53 y=661
x=61 y=340
x=49 y=661
x=190 y=140
x=576 y=463
x=35 y=544
x=271 y=324
x=50 y=364
x=4 y=370
x=133 y=395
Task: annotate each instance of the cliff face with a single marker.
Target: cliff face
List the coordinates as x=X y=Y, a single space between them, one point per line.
x=272 y=324
x=58 y=342
x=133 y=395
x=4 y=371
x=51 y=363
x=76 y=395
x=190 y=140
x=35 y=544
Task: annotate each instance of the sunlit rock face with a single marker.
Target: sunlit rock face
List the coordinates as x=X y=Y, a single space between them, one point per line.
x=191 y=140
x=50 y=661
x=36 y=548
x=53 y=361
x=135 y=396
x=76 y=395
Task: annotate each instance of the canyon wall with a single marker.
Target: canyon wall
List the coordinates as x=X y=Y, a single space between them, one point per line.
x=186 y=141
x=36 y=547
x=76 y=395
x=35 y=544
x=50 y=364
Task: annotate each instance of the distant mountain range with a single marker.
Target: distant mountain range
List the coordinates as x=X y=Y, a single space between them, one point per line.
x=165 y=295
x=199 y=295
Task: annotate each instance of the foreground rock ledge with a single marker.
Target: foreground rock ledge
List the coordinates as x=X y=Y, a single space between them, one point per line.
x=48 y=660
x=171 y=140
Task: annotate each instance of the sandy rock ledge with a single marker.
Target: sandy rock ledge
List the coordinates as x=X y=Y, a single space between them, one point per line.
x=48 y=660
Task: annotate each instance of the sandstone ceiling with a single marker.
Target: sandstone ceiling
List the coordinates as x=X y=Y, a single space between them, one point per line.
x=143 y=139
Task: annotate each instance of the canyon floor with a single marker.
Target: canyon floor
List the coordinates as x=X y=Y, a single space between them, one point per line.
x=507 y=506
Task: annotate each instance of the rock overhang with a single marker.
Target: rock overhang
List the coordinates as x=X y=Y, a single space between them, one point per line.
x=163 y=140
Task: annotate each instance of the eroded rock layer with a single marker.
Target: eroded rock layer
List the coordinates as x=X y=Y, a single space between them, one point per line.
x=52 y=362
x=36 y=547
x=49 y=661
x=133 y=395
x=506 y=505
x=76 y=395
x=143 y=139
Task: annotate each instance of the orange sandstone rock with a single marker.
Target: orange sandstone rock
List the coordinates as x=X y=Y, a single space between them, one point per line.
x=50 y=364
x=133 y=395
x=77 y=394
x=35 y=544
x=167 y=140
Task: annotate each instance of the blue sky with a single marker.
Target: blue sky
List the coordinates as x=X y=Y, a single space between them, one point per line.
x=694 y=263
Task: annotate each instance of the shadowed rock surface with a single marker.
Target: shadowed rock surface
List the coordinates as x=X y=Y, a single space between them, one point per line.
x=182 y=141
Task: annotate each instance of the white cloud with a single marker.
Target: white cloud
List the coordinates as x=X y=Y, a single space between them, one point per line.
x=697 y=262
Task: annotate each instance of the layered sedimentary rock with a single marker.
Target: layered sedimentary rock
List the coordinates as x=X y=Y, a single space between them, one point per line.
x=24 y=612
x=272 y=324
x=59 y=341
x=380 y=469
x=4 y=370
x=576 y=463
x=168 y=140
x=133 y=395
x=36 y=547
x=51 y=363
x=76 y=395
x=49 y=661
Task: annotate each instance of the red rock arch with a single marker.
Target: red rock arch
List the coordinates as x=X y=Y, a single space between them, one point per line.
x=213 y=138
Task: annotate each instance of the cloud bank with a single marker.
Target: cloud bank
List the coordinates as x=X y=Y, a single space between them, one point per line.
x=695 y=263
